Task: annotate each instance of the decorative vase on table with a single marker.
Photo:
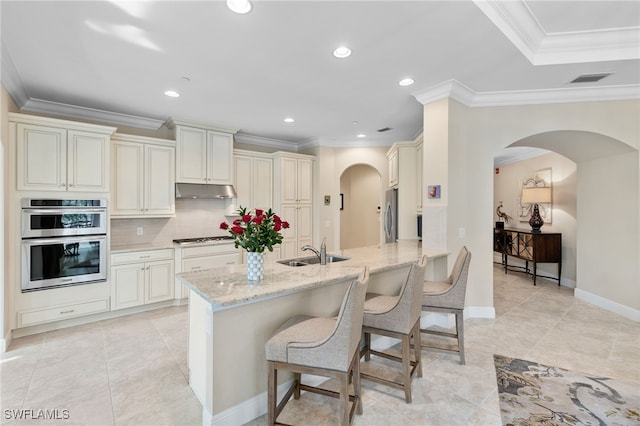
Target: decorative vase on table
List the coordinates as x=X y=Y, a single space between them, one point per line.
x=255 y=266
x=256 y=231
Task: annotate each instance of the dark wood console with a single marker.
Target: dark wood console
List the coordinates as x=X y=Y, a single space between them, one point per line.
x=543 y=247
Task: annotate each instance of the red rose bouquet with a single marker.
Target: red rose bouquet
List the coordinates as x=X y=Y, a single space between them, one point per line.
x=257 y=231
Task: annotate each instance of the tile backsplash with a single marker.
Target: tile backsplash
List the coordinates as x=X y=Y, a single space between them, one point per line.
x=194 y=218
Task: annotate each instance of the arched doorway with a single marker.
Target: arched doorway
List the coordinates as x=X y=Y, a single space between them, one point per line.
x=359 y=214
x=606 y=214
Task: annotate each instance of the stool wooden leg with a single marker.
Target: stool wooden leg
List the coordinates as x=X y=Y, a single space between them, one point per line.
x=297 y=377
x=344 y=399
x=406 y=367
x=417 y=344
x=460 y=331
x=367 y=346
x=272 y=394
x=356 y=384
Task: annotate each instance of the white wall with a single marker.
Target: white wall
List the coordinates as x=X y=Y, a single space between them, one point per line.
x=332 y=162
x=507 y=188
x=485 y=131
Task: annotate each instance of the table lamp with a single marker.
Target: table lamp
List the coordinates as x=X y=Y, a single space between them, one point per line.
x=536 y=195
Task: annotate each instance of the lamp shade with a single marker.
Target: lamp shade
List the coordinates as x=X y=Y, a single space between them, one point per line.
x=536 y=195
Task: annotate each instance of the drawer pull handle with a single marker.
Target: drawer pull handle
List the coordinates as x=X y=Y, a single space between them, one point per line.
x=231 y=263
x=195 y=267
x=145 y=257
x=66 y=312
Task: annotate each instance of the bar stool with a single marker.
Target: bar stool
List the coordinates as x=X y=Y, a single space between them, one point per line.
x=321 y=346
x=448 y=297
x=397 y=317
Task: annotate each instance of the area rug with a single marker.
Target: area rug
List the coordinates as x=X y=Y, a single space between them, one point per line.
x=532 y=394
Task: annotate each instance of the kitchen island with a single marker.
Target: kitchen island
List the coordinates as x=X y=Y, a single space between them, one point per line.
x=230 y=318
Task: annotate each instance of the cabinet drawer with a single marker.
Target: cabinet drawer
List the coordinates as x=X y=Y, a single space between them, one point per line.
x=27 y=318
x=208 y=250
x=141 y=256
x=207 y=262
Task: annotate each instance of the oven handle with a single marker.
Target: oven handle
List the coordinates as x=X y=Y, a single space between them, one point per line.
x=66 y=211
x=63 y=240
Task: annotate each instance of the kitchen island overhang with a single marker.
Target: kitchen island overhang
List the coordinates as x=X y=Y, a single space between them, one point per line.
x=230 y=318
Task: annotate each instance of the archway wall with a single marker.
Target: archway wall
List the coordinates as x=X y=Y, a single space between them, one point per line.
x=331 y=164
x=467 y=139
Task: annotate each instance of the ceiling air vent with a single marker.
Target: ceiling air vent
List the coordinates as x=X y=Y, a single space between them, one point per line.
x=590 y=78
x=384 y=129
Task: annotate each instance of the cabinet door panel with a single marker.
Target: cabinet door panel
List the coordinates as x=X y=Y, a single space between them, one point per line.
x=191 y=161
x=127 y=286
x=303 y=222
x=288 y=180
x=160 y=281
x=263 y=183
x=42 y=160
x=290 y=214
x=87 y=163
x=160 y=178
x=243 y=181
x=127 y=178
x=220 y=154
x=305 y=180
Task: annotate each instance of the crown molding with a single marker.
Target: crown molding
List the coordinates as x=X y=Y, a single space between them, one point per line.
x=268 y=142
x=459 y=92
x=520 y=26
x=11 y=79
x=66 y=110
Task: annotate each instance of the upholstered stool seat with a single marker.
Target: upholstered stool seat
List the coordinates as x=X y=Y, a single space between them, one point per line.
x=323 y=347
x=448 y=297
x=397 y=317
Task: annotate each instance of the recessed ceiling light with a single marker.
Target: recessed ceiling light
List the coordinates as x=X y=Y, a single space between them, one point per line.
x=342 y=52
x=406 y=82
x=289 y=120
x=239 y=6
x=361 y=135
x=172 y=94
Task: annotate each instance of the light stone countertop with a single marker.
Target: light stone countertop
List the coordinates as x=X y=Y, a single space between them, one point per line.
x=123 y=248
x=226 y=286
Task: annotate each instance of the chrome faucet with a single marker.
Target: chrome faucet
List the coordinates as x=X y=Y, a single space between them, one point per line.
x=322 y=254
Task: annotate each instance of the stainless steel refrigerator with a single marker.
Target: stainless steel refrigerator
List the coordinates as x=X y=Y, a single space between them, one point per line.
x=390 y=220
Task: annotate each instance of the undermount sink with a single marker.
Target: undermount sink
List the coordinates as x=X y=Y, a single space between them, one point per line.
x=311 y=260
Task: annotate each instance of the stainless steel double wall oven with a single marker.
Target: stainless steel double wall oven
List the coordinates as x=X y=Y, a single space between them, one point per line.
x=64 y=242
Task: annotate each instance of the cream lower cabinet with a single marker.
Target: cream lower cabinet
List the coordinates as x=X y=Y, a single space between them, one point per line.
x=143 y=177
x=196 y=258
x=139 y=278
x=60 y=155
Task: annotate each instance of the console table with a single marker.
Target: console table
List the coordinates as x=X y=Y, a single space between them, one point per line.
x=542 y=247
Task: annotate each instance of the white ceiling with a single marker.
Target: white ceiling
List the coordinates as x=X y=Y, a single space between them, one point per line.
x=111 y=61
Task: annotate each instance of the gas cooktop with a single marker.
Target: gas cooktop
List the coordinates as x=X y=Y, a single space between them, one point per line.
x=200 y=240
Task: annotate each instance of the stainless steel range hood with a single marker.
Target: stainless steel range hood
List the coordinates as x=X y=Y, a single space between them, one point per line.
x=196 y=190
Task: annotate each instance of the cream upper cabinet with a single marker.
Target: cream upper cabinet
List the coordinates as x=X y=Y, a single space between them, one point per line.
x=420 y=174
x=293 y=200
x=253 y=179
x=60 y=155
x=392 y=157
x=204 y=154
x=143 y=179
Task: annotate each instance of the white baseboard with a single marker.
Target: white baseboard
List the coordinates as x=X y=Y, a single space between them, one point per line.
x=5 y=342
x=601 y=302
x=479 y=312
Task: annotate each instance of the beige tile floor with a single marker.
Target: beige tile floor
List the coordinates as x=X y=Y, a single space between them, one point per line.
x=132 y=370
